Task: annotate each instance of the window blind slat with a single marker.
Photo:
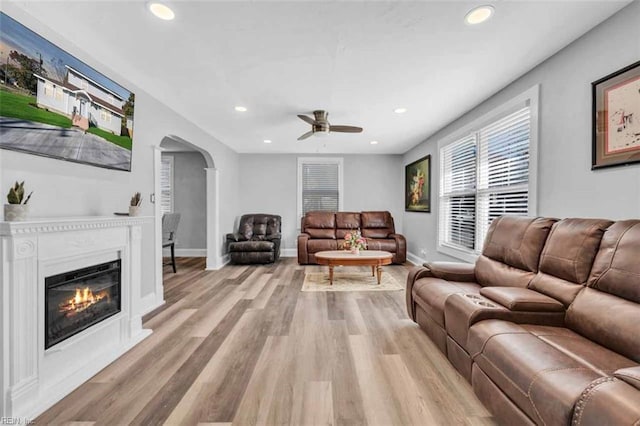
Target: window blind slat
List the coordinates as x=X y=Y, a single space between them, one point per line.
x=166 y=184
x=320 y=187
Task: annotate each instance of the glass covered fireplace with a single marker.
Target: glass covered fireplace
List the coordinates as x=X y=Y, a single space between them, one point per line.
x=78 y=299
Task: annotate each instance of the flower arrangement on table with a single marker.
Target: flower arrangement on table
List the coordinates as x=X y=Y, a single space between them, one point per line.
x=355 y=242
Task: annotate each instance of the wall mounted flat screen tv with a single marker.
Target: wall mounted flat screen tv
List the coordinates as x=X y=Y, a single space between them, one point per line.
x=53 y=104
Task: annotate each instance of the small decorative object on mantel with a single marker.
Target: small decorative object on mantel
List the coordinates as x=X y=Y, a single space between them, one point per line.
x=17 y=209
x=134 y=207
x=616 y=118
x=417 y=188
x=355 y=242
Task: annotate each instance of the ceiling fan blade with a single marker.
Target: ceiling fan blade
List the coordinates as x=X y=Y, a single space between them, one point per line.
x=306 y=135
x=307 y=119
x=345 y=129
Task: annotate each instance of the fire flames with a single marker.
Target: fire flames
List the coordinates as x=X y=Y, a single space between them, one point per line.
x=83 y=299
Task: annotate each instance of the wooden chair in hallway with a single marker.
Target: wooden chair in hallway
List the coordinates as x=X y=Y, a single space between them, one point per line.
x=170 y=223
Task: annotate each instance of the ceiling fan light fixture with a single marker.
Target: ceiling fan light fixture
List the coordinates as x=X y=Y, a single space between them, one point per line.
x=161 y=10
x=400 y=110
x=479 y=14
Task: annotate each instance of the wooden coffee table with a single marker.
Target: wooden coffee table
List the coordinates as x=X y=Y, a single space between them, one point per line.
x=374 y=258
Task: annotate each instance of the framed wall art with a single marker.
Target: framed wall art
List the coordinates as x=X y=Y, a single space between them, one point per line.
x=616 y=118
x=417 y=189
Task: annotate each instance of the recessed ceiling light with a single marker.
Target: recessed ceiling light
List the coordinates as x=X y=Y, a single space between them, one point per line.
x=162 y=11
x=400 y=110
x=374 y=142
x=479 y=14
x=241 y=109
x=267 y=141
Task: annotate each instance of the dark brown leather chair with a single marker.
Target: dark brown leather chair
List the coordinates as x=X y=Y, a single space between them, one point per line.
x=562 y=348
x=257 y=240
x=326 y=230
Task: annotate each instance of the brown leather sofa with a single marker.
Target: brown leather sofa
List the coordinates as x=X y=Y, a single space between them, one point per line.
x=257 y=240
x=326 y=230
x=546 y=324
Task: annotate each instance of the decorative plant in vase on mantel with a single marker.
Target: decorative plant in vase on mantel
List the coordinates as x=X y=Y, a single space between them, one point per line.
x=134 y=206
x=17 y=209
x=355 y=242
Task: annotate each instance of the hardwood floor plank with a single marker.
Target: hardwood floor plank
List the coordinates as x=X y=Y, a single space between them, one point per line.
x=163 y=403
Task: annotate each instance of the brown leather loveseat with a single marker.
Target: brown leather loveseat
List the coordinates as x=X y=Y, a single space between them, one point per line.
x=546 y=324
x=325 y=230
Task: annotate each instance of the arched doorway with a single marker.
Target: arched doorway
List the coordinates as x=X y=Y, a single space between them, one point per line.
x=213 y=247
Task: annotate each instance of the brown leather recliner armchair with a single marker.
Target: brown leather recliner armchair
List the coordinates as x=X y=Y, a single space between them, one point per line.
x=544 y=325
x=257 y=240
x=325 y=231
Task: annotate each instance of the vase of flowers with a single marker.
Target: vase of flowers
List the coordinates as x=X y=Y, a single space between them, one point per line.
x=355 y=242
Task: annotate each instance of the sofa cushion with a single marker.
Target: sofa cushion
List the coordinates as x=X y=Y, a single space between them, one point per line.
x=432 y=293
x=376 y=232
x=544 y=370
x=517 y=241
x=348 y=220
x=243 y=246
x=382 y=244
x=322 y=233
x=376 y=220
x=314 y=246
x=567 y=257
x=490 y=272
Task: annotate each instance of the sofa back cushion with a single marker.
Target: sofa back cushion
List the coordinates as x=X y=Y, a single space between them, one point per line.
x=346 y=222
x=320 y=225
x=377 y=224
x=567 y=257
x=512 y=250
x=257 y=226
x=608 y=310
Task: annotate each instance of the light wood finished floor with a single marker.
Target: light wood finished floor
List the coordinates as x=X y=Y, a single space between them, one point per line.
x=245 y=346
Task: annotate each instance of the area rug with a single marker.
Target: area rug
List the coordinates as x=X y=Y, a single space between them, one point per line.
x=349 y=281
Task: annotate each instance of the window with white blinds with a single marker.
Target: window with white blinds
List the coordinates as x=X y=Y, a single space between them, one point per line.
x=166 y=184
x=483 y=175
x=319 y=184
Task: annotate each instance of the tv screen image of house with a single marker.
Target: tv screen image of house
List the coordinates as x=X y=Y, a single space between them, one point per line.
x=53 y=104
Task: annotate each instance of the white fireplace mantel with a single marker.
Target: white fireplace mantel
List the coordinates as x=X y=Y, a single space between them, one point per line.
x=32 y=378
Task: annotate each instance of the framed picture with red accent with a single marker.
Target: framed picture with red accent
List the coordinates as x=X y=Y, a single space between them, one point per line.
x=616 y=118
x=417 y=188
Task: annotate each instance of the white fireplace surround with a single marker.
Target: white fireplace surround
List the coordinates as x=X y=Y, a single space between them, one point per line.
x=32 y=378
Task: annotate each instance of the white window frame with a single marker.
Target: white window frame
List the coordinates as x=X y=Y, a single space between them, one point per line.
x=48 y=90
x=529 y=97
x=171 y=159
x=105 y=115
x=321 y=160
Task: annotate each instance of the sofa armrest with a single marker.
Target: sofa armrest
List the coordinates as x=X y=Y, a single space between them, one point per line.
x=233 y=237
x=401 y=247
x=415 y=274
x=630 y=375
x=452 y=271
x=303 y=255
x=522 y=299
x=607 y=401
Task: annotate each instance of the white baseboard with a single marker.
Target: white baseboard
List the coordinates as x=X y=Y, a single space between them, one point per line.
x=150 y=302
x=290 y=252
x=186 y=252
x=218 y=263
x=415 y=259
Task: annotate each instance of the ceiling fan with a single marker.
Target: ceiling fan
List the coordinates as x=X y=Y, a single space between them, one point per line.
x=321 y=125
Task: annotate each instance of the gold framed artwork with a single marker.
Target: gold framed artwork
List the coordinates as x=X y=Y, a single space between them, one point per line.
x=417 y=189
x=616 y=118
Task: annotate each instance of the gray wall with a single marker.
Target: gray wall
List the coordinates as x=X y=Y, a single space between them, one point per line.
x=268 y=184
x=68 y=189
x=190 y=192
x=566 y=185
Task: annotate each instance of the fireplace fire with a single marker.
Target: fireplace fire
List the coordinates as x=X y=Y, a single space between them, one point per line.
x=79 y=299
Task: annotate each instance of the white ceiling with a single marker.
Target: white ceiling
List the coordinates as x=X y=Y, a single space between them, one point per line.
x=358 y=60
